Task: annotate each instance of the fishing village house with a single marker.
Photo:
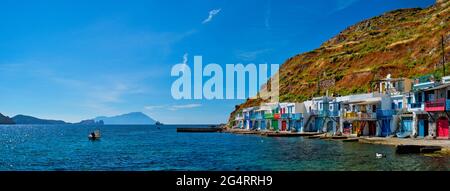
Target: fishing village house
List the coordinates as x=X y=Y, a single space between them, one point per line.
x=415 y=120
x=323 y=115
x=396 y=107
x=291 y=117
x=437 y=104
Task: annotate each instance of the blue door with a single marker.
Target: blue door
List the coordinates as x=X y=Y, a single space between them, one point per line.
x=385 y=127
x=298 y=125
x=406 y=125
x=423 y=128
x=318 y=124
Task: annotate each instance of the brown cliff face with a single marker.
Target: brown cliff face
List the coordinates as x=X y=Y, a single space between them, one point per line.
x=404 y=43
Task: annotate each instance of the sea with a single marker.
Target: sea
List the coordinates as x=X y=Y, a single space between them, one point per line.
x=152 y=148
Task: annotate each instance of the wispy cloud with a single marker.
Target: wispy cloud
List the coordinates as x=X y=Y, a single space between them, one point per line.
x=188 y=106
x=212 y=13
x=172 y=107
x=251 y=55
x=342 y=4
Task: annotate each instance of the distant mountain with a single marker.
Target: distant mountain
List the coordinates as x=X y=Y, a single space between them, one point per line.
x=5 y=119
x=135 y=118
x=28 y=120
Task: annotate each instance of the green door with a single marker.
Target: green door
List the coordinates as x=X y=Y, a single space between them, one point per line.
x=275 y=125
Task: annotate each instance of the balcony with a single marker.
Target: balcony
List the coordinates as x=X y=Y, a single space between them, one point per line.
x=268 y=116
x=285 y=116
x=276 y=116
x=350 y=115
x=385 y=113
x=328 y=113
x=295 y=116
x=323 y=113
x=435 y=105
x=367 y=115
x=259 y=116
x=447 y=105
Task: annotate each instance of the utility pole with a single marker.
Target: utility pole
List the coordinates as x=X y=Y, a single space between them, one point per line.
x=443 y=54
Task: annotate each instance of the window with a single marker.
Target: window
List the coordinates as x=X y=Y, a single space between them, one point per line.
x=419 y=98
x=393 y=106
x=400 y=105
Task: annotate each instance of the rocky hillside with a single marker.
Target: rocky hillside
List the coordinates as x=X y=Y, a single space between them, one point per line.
x=404 y=43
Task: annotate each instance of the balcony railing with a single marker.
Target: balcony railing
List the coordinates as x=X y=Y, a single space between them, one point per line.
x=268 y=116
x=435 y=105
x=328 y=113
x=350 y=115
x=285 y=116
x=360 y=115
x=415 y=105
x=385 y=113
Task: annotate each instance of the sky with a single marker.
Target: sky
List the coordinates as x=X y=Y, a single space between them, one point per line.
x=78 y=59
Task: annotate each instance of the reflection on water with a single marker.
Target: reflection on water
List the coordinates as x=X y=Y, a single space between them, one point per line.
x=149 y=148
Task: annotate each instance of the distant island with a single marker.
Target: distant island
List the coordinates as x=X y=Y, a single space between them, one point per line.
x=134 y=118
x=29 y=120
x=5 y=119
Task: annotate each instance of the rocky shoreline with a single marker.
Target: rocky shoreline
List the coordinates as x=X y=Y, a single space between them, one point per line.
x=392 y=141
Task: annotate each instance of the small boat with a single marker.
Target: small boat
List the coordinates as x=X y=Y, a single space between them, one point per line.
x=403 y=134
x=379 y=155
x=94 y=135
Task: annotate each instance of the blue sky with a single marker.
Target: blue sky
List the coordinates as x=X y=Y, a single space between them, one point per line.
x=77 y=59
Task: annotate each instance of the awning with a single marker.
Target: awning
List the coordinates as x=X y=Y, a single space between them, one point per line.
x=353 y=102
x=438 y=87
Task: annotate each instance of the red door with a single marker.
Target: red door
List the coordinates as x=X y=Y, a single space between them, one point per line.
x=283 y=126
x=442 y=127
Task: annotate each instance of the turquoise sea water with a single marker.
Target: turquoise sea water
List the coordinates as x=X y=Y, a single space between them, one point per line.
x=149 y=148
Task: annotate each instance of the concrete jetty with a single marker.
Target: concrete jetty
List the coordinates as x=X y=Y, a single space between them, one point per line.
x=199 y=130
